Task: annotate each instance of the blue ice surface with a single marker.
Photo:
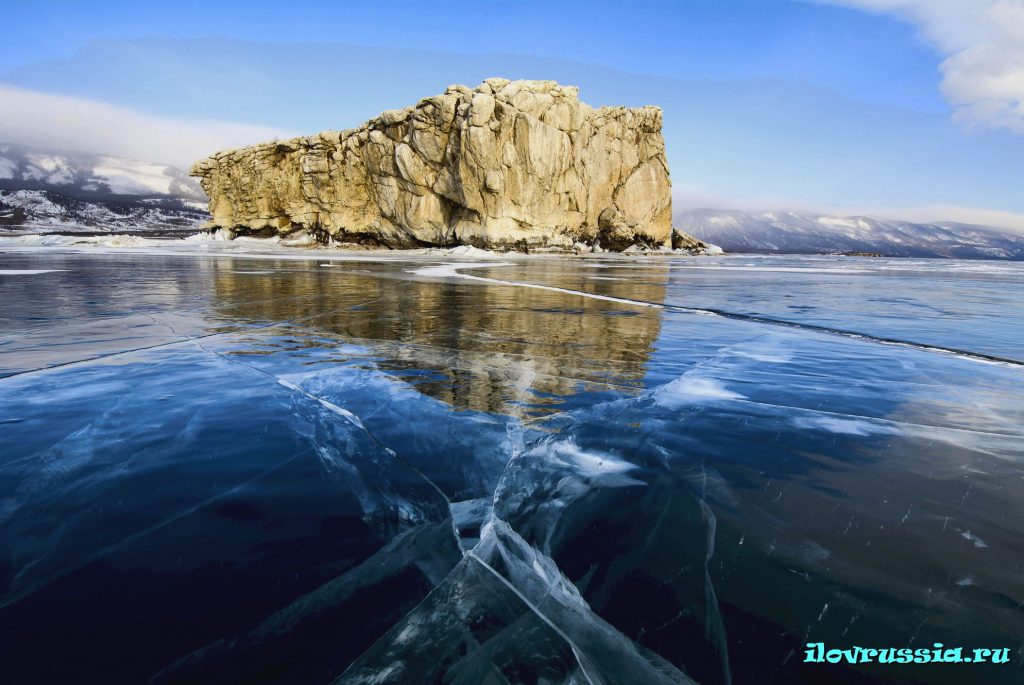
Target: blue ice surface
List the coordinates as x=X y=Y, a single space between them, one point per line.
x=222 y=469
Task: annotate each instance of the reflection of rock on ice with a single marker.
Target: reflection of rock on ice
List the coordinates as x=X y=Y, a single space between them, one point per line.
x=519 y=351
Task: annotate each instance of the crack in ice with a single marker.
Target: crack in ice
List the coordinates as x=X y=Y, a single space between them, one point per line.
x=572 y=645
x=452 y=270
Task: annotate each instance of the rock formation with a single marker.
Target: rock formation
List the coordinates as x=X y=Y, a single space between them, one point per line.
x=507 y=164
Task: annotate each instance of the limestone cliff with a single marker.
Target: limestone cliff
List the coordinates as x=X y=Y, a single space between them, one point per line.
x=509 y=163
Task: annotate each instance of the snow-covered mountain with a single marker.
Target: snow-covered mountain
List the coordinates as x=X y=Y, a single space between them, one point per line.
x=806 y=233
x=46 y=190
x=87 y=176
x=43 y=211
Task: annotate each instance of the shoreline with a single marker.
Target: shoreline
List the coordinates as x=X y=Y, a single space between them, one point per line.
x=212 y=243
x=203 y=244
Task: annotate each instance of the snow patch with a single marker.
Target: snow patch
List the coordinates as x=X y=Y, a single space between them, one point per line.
x=49 y=168
x=7 y=168
x=468 y=251
x=451 y=270
x=689 y=389
x=845 y=426
x=783 y=269
x=300 y=239
x=973 y=539
x=115 y=240
x=218 y=236
x=130 y=177
x=592 y=464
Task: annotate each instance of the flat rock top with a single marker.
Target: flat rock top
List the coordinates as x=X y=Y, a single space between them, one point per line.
x=531 y=96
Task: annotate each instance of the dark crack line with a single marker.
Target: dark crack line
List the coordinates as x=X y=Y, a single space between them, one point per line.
x=750 y=318
x=714 y=627
x=883 y=340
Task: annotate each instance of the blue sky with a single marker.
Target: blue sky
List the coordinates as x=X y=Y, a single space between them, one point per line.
x=878 y=106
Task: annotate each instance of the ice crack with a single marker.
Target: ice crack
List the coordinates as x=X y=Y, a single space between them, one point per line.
x=452 y=270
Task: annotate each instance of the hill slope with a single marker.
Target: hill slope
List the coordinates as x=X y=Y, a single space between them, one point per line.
x=46 y=190
x=806 y=233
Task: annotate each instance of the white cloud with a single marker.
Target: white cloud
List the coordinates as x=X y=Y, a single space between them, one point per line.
x=65 y=123
x=983 y=41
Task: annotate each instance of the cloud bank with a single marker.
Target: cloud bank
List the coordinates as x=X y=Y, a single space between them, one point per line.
x=65 y=123
x=983 y=44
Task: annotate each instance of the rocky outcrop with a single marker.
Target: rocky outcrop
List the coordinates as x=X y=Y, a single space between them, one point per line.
x=685 y=241
x=506 y=164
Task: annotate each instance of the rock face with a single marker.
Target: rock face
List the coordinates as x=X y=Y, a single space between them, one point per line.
x=507 y=164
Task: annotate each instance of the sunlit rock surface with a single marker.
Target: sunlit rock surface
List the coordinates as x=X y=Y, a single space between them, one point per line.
x=508 y=163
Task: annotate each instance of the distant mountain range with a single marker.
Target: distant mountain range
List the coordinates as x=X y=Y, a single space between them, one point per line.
x=806 y=233
x=46 y=190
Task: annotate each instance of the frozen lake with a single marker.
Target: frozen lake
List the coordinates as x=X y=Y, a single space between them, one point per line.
x=234 y=464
